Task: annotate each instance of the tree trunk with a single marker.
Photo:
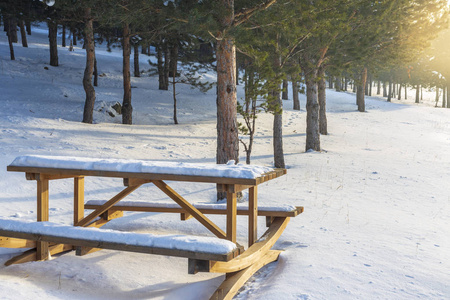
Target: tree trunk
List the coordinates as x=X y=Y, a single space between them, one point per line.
x=136 y=61
x=160 y=64
x=13 y=29
x=277 y=106
x=330 y=82
x=366 y=87
x=437 y=97
x=443 y=96
x=389 y=92
x=166 y=66
x=28 y=27
x=312 y=111
x=406 y=95
x=174 y=70
x=417 y=93
x=284 y=95
x=322 y=97
x=378 y=87
x=87 y=78
x=337 y=84
x=295 y=94
x=23 y=34
x=385 y=94
x=74 y=37
x=399 y=96
x=9 y=33
x=448 y=95
x=370 y=85
x=95 y=69
x=174 y=60
x=63 y=42
x=345 y=83
x=127 y=109
x=360 y=91
x=52 y=34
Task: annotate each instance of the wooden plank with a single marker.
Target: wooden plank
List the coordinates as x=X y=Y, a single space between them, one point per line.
x=8 y=242
x=231 y=216
x=252 y=215
x=179 y=210
x=148 y=176
x=255 y=252
x=107 y=205
x=78 y=200
x=42 y=251
x=190 y=209
x=30 y=255
x=121 y=246
x=185 y=216
x=234 y=281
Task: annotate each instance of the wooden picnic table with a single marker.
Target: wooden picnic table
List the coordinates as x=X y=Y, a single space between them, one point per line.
x=231 y=179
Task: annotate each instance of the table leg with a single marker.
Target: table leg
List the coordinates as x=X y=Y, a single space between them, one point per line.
x=252 y=215
x=78 y=200
x=231 y=216
x=42 y=252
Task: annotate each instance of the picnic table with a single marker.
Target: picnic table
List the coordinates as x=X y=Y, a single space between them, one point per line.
x=221 y=253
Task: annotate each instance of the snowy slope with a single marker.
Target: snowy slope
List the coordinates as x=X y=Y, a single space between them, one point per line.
x=376 y=223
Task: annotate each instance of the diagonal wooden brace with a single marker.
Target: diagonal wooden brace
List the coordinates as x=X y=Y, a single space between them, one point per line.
x=190 y=209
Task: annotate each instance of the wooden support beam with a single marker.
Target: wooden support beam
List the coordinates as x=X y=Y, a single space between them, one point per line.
x=231 y=216
x=107 y=205
x=8 y=242
x=42 y=252
x=30 y=255
x=190 y=209
x=252 y=215
x=234 y=281
x=185 y=216
x=78 y=200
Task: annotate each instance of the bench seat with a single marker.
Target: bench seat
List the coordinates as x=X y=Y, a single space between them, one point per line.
x=194 y=247
x=205 y=208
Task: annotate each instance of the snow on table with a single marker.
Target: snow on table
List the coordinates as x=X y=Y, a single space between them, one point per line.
x=210 y=245
x=229 y=170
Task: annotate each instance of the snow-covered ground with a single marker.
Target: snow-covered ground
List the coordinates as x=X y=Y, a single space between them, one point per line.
x=376 y=223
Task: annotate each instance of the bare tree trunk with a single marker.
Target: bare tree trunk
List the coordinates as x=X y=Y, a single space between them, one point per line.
x=52 y=34
x=389 y=92
x=378 y=87
x=87 y=78
x=63 y=42
x=95 y=69
x=448 y=95
x=406 y=95
x=443 y=96
x=9 y=33
x=399 y=96
x=28 y=27
x=166 y=66
x=127 y=109
x=322 y=97
x=277 y=106
x=330 y=81
x=385 y=94
x=284 y=95
x=160 y=64
x=337 y=84
x=13 y=29
x=417 y=93
x=136 y=61
x=174 y=59
x=74 y=37
x=312 y=111
x=23 y=34
x=174 y=70
x=295 y=94
x=360 y=91
x=345 y=83
x=370 y=85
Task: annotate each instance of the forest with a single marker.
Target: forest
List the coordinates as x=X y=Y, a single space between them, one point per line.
x=356 y=45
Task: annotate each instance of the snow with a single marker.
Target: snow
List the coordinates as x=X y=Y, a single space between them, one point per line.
x=173 y=242
x=376 y=222
x=229 y=170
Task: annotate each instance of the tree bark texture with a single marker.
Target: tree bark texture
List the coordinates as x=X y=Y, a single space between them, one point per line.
x=63 y=41
x=137 y=73
x=312 y=111
x=12 y=28
x=23 y=34
x=389 y=97
x=87 y=78
x=360 y=93
x=52 y=34
x=385 y=94
x=284 y=95
x=174 y=59
x=417 y=93
x=127 y=109
x=95 y=69
x=338 y=84
x=295 y=95
x=399 y=94
x=8 y=28
x=166 y=66
x=378 y=87
x=160 y=66
x=321 y=91
x=28 y=27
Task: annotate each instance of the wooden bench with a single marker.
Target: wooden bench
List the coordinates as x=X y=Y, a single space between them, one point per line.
x=238 y=264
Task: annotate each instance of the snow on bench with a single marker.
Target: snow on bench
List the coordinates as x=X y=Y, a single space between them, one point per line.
x=196 y=247
x=229 y=170
x=208 y=208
